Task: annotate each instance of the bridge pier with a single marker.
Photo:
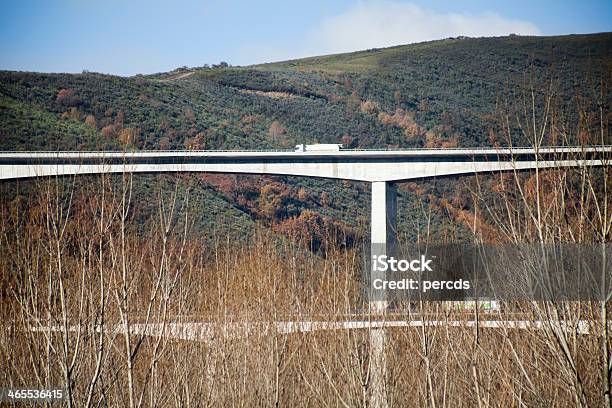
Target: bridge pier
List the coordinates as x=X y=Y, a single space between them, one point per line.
x=384 y=216
x=383 y=232
x=382 y=242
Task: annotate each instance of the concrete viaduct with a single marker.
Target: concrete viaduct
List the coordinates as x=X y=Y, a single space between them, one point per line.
x=379 y=167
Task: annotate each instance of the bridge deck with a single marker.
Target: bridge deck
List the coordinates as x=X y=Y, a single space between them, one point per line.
x=360 y=165
x=290 y=154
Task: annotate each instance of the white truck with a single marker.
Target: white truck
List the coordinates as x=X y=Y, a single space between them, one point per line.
x=318 y=148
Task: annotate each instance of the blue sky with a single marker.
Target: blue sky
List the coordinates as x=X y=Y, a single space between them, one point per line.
x=146 y=36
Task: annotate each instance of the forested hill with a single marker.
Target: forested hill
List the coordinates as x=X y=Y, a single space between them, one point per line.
x=437 y=94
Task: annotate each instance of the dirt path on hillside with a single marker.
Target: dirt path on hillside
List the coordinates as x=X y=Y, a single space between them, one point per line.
x=175 y=78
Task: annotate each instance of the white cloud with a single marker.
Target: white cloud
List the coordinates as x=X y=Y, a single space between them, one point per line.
x=383 y=23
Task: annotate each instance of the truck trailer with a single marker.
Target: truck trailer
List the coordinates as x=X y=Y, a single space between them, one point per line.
x=318 y=147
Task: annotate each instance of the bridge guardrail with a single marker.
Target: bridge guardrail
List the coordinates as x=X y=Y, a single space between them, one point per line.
x=407 y=149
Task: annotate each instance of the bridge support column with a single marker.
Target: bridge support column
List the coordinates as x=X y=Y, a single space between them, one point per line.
x=383 y=240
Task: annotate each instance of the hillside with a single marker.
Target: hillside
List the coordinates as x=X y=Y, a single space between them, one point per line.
x=435 y=94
